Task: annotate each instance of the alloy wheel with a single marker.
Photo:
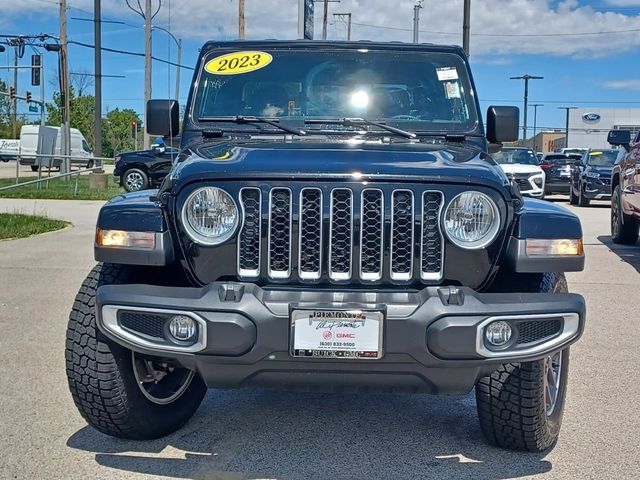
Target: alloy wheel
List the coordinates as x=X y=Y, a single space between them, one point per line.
x=133 y=181
x=161 y=382
x=552 y=373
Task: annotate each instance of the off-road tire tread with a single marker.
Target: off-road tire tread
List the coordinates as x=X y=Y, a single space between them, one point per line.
x=510 y=401
x=94 y=362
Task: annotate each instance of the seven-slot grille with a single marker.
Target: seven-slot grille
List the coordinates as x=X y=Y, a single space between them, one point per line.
x=366 y=235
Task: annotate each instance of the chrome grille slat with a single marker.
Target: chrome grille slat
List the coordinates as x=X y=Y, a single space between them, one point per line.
x=310 y=234
x=402 y=230
x=250 y=233
x=349 y=226
x=280 y=223
x=341 y=234
x=371 y=234
x=432 y=241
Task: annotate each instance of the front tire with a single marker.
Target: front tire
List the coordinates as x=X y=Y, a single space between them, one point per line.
x=134 y=180
x=573 y=198
x=520 y=405
x=582 y=200
x=624 y=229
x=34 y=168
x=114 y=389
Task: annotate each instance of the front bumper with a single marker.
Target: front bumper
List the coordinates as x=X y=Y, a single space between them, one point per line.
x=558 y=187
x=596 y=190
x=432 y=339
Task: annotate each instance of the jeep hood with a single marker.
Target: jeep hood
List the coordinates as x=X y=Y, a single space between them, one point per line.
x=333 y=161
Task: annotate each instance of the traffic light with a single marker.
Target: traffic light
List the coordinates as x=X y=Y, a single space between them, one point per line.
x=28 y=96
x=134 y=128
x=36 y=62
x=12 y=93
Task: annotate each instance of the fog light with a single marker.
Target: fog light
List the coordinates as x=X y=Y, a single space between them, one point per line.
x=183 y=328
x=498 y=333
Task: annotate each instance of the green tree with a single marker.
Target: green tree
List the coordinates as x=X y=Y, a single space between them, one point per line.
x=6 y=124
x=116 y=131
x=82 y=114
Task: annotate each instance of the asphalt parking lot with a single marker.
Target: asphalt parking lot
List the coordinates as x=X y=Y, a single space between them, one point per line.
x=260 y=434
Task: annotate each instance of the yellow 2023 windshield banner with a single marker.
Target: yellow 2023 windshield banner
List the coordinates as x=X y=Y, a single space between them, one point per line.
x=237 y=63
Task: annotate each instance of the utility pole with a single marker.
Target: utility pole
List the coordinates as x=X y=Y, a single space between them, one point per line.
x=14 y=108
x=416 y=20
x=178 y=67
x=566 y=128
x=535 y=124
x=97 y=124
x=64 y=79
x=147 y=64
x=241 y=19
x=325 y=19
x=526 y=79
x=466 y=26
x=348 y=15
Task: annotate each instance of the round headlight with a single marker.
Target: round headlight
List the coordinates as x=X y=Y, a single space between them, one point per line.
x=471 y=220
x=210 y=216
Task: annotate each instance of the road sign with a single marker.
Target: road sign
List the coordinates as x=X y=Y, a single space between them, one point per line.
x=33 y=108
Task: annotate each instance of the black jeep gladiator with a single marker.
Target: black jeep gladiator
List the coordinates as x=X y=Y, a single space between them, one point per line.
x=334 y=220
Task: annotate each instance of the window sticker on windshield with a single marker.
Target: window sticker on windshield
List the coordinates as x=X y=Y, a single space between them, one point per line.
x=452 y=90
x=238 y=62
x=447 y=73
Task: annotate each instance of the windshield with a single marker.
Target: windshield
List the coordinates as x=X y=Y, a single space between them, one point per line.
x=506 y=156
x=560 y=160
x=420 y=91
x=602 y=158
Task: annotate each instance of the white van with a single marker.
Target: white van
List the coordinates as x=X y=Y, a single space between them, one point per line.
x=9 y=149
x=36 y=139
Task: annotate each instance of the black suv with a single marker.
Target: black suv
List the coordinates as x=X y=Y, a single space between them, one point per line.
x=333 y=221
x=591 y=176
x=144 y=169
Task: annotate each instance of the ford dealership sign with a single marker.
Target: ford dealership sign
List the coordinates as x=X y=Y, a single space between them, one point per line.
x=591 y=117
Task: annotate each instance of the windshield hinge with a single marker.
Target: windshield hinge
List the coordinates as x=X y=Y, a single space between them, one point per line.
x=212 y=133
x=455 y=138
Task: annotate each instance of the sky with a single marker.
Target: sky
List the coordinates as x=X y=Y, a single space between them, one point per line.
x=584 y=49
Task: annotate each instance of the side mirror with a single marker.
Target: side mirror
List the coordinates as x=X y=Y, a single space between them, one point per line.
x=577 y=163
x=163 y=117
x=619 y=137
x=503 y=124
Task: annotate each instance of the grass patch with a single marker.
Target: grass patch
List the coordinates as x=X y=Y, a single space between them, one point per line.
x=61 y=190
x=17 y=225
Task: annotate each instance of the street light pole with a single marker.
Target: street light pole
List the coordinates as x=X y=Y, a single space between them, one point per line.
x=64 y=83
x=535 y=124
x=416 y=20
x=566 y=128
x=526 y=79
x=178 y=42
x=466 y=26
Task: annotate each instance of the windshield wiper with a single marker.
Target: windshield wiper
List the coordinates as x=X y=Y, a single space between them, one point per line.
x=240 y=119
x=353 y=122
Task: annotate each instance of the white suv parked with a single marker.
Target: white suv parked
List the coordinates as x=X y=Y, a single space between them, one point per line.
x=521 y=165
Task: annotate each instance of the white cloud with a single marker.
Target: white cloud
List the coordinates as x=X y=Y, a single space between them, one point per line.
x=623 y=84
x=623 y=3
x=441 y=22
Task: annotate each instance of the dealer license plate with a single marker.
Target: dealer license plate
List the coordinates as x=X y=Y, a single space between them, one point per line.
x=345 y=334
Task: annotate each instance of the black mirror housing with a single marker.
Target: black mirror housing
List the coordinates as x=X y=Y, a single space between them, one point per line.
x=503 y=124
x=163 y=118
x=619 y=137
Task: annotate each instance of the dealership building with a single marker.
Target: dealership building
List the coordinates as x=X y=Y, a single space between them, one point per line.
x=588 y=127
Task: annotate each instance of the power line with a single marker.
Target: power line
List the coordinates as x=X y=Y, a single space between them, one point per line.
x=535 y=35
x=135 y=54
